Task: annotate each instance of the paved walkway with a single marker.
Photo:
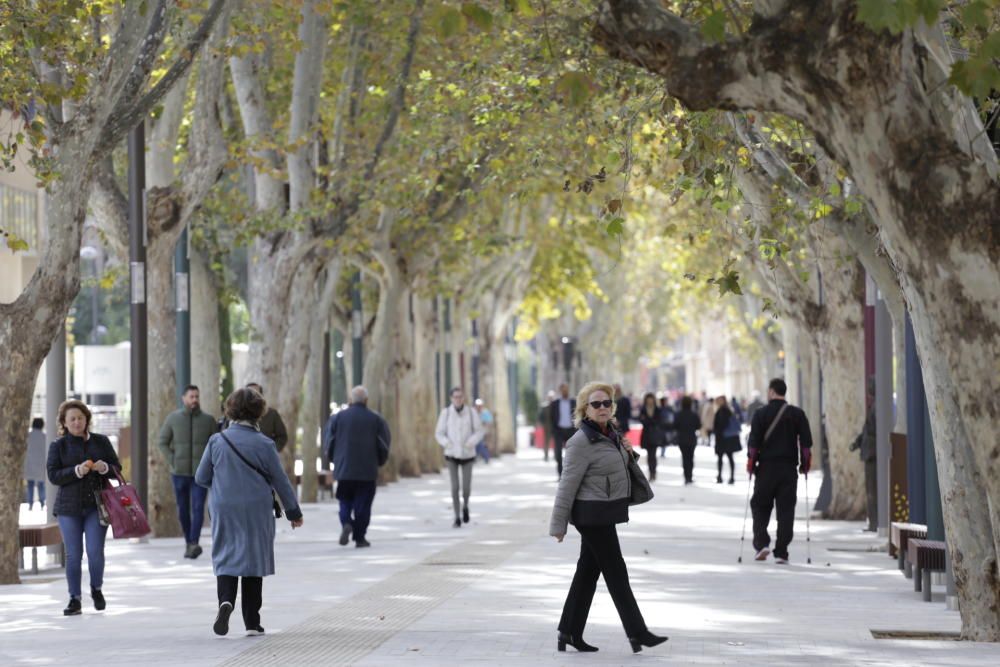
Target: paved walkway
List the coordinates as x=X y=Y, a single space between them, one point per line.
x=491 y=592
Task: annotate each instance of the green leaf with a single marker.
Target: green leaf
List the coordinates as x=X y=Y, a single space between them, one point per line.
x=714 y=27
x=448 y=22
x=574 y=87
x=475 y=13
x=929 y=10
x=975 y=14
x=616 y=227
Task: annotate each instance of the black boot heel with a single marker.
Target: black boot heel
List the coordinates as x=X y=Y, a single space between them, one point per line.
x=649 y=640
x=575 y=642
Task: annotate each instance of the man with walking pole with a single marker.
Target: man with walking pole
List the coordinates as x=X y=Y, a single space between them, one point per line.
x=779 y=440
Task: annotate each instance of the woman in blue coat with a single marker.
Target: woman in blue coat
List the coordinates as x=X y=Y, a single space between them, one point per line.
x=241 y=469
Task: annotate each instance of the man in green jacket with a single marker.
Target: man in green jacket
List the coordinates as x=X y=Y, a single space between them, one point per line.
x=271 y=424
x=183 y=438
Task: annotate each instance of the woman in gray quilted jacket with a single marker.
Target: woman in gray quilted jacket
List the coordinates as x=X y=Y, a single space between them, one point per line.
x=593 y=495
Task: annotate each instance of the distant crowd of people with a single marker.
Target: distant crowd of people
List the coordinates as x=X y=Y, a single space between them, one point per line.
x=669 y=419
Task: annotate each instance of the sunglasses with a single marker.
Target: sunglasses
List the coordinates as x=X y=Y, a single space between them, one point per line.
x=602 y=404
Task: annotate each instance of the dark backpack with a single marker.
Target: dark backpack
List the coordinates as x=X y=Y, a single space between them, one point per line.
x=733 y=427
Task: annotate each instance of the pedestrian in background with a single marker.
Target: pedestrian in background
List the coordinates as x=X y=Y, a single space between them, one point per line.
x=707 y=418
x=34 y=463
x=544 y=421
x=458 y=432
x=561 y=417
x=271 y=424
x=726 y=427
x=486 y=417
x=78 y=463
x=667 y=417
x=864 y=444
x=779 y=439
x=623 y=410
x=687 y=424
x=652 y=431
x=182 y=441
x=593 y=495
x=358 y=442
x=242 y=471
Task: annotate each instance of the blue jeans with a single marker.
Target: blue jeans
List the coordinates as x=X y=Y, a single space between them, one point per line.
x=73 y=529
x=483 y=450
x=190 y=506
x=356 y=497
x=40 y=483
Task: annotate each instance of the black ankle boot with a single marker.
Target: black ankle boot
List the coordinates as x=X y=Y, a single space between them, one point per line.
x=647 y=639
x=74 y=608
x=575 y=642
x=98 y=596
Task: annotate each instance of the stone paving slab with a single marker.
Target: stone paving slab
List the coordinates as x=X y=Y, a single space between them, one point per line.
x=491 y=592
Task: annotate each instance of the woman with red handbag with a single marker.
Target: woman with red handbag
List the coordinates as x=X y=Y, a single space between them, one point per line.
x=78 y=463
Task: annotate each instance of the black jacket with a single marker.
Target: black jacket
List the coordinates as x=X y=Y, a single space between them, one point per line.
x=791 y=433
x=357 y=443
x=554 y=413
x=652 y=429
x=687 y=424
x=623 y=413
x=76 y=496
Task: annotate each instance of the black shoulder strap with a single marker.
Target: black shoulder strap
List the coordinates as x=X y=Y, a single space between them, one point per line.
x=770 y=429
x=267 y=478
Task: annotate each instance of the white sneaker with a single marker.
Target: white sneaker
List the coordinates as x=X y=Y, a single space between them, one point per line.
x=762 y=554
x=781 y=561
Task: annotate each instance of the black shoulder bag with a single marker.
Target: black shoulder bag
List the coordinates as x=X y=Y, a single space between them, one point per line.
x=267 y=478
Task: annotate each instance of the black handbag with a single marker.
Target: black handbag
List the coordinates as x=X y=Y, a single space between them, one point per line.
x=641 y=491
x=267 y=478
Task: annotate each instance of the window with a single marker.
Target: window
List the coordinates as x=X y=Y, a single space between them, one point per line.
x=19 y=213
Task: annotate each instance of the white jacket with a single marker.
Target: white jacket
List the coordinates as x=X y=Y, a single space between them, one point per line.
x=459 y=433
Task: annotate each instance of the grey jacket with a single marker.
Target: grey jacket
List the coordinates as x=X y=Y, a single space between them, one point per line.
x=595 y=486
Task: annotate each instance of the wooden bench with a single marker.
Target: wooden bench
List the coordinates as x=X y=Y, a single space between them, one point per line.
x=324 y=482
x=900 y=534
x=38 y=536
x=925 y=556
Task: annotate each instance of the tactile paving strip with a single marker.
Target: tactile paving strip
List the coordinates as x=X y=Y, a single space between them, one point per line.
x=350 y=630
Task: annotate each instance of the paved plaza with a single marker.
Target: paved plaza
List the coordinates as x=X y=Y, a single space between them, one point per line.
x=491 y=592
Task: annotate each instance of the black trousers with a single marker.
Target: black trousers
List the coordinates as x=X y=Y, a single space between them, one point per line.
x=560 y=436
x=732 y=465
x=775 y=486
x=871 y=493
x=687 y=461
x=600 y=553
x=651 y=460
x=251 y=600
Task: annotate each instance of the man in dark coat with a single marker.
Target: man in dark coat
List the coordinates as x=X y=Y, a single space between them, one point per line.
x=357 y=444
x=865 y=443
x=623 y=409
x=773 y=458
x=271 y=424
x=561 y=417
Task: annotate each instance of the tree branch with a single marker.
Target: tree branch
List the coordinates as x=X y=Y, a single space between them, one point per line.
x=128 y=112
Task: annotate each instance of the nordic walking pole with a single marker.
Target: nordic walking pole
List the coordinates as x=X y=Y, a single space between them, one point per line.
x=746 y=511
x=809 y=559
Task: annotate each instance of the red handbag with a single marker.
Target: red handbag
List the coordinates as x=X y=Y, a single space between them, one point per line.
x=125 y=514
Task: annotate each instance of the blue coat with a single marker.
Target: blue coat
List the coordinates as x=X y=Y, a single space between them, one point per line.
x=240 y=501
x=357 y=442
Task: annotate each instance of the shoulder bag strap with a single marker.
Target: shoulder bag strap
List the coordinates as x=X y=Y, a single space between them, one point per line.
x=267 y=478
x=770 y=429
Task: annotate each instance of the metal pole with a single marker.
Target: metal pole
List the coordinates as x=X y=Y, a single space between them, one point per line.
x=55 y=394
x=324 y=383
x=137 y=274
x=915 y=442
x=883 y=409
x=447 y=346
x=475 y=359
x=357 y=330
x=182 y=295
